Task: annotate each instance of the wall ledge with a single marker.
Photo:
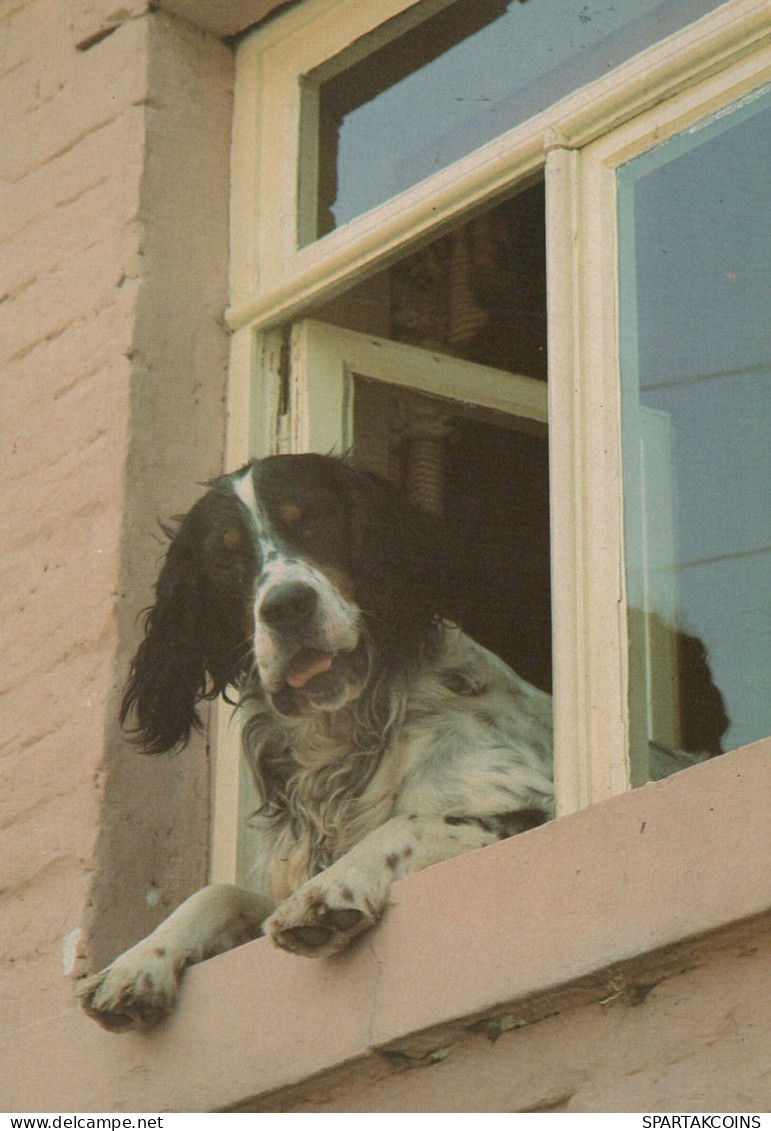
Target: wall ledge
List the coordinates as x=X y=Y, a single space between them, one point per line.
x=223 y=18
x=538 y=915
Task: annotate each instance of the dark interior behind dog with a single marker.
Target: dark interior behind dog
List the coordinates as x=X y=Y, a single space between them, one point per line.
x=380 y=737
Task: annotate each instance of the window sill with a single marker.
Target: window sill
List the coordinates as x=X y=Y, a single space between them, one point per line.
x=631 y=875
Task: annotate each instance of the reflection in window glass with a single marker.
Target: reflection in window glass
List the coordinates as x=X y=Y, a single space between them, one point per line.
x=695 y=249
x=459 y=79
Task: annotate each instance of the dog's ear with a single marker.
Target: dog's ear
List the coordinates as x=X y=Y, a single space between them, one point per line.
x=197 y=639
x=168 y=674
x=398 y=556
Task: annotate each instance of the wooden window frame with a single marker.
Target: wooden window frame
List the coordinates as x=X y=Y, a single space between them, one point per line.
x=272 y=279
x=592 y=583
x=576 y=145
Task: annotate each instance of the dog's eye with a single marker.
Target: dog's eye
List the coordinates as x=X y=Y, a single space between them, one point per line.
x=312 y=518
x=291 y=514
x=221 y=563
x=303 y=521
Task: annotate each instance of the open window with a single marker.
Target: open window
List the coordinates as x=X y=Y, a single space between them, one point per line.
x=464 y=441
x=393 y=271
x=449 y=402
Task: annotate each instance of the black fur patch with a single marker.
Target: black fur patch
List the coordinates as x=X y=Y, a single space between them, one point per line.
x=503 y=825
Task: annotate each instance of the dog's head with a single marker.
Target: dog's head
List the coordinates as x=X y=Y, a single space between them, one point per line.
x=297 y=578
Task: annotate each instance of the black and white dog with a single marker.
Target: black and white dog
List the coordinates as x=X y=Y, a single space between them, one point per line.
x=381 y=739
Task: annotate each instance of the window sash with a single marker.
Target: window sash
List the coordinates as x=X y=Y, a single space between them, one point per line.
x=589 y=571
x=272 y=279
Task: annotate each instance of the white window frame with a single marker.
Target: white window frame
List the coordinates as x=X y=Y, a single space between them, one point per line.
x=598 y=440
x=578 y=143
x=272 y=279
x=326 y=359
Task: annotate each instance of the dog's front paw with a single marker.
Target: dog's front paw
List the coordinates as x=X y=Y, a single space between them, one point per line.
x=137 y=990
x=322 y=917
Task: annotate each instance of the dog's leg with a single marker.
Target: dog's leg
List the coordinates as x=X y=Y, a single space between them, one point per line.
x=323 y=915
x=139 y=988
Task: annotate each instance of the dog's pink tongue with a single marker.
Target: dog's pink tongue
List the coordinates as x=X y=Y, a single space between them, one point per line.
x=307 y=663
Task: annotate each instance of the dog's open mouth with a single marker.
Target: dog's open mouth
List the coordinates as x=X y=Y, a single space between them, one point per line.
x=306 y=665
x=315 y=679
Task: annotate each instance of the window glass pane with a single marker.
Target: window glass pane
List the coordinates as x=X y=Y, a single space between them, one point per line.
x=695 y=249
x=459 y=79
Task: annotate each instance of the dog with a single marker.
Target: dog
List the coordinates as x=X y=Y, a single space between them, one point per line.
x=381 y=738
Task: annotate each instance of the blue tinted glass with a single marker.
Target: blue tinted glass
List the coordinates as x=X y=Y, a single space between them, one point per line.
x=695 y=247
x=461 y=78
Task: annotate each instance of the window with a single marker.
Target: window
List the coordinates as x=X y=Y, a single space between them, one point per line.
x=472 y=70
x=322 y=251
x=404 y=411
x=695 y=291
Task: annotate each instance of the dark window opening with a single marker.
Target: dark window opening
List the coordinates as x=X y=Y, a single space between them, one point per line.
x=477 y=293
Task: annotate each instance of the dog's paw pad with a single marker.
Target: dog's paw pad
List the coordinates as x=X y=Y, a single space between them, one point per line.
x=127 y=995
x=331 y=926
x=306 y=938
x=307 y=924
x=344 y=919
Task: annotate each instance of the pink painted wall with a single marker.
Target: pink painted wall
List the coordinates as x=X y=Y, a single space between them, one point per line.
x=114 y=244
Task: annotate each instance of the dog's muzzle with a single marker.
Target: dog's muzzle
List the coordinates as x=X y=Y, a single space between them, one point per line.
x=290 y=610
x=306 y=638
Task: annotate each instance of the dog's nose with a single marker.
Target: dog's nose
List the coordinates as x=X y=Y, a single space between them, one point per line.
x=290 y=605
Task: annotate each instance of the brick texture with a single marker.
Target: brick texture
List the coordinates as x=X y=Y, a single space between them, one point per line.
x=108 y=421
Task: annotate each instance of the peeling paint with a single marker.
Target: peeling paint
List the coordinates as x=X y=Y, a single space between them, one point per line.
x=70 y=944
x=732 y=108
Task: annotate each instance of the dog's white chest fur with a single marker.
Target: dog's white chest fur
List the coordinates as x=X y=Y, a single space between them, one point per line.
x=467 y=738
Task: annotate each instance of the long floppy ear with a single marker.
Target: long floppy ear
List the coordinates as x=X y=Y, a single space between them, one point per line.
x=168 y=674
x=197 y=639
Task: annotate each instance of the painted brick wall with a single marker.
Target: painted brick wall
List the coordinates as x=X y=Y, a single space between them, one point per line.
x=112 y=285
